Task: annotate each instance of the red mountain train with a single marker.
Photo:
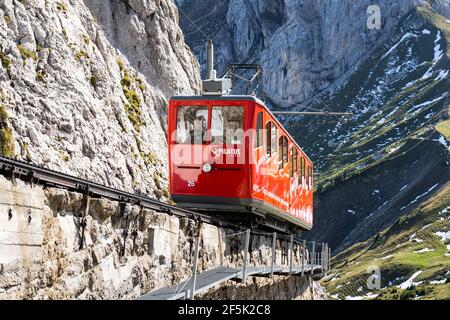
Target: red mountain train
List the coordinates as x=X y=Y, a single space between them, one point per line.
x=229 y=153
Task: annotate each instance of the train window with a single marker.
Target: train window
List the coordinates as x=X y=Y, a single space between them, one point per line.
x=311 y=176
x=273 y=134
x=293 y=166
x=302 y=170
x=285 y=151
x=280 y=152
x=227 y=125
x=291 y=163
x=269 y=140
x=192 y=125
x=307 y=179
x=259 y=130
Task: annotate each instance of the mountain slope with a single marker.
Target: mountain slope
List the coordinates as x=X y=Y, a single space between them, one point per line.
x=415 y=248
x=373 y=168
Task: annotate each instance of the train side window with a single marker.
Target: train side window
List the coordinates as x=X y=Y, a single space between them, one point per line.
x=269 y=140
x=293 y=164
x=273 y=133
x=227 y=125
x=280 y=152
x=192 y=125
x=302 y=170
x=285 y=151
x=259 y=130
x=311 y=176
x=307 y=179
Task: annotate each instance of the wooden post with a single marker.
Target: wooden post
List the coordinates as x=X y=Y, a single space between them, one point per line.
x=194 y=268
x=274 y=247
x=291 y=254
x=247 y=245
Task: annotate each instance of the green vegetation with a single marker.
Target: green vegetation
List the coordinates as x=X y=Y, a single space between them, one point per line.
x=86 y=39
x=6 y=62
x=409 y=245
x=81 y=54
x=94 y=81
x=64 y=156
x=444 y=129
x=133 y=105
x=7 y=148
x=41 y=75
x=149 y=158
x=26 y=53
x=61 y=7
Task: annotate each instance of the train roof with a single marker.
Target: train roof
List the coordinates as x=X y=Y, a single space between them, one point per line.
x=245 y=98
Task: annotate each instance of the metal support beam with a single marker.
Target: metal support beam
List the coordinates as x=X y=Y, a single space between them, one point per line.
x=274 y=247
x=329 y=258
x=313 y=257
x=318 y=113
x=303 y=257
x=194 y=268
x=291 y=254
x=247 y=247
x=84 y=221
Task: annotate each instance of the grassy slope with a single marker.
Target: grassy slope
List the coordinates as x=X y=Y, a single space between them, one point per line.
x=394 y=251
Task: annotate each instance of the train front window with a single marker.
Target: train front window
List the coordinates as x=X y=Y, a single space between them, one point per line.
x=192 y=125
x=227 y=125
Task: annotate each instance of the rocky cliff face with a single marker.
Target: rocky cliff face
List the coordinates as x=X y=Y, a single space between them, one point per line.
x=307 y=47
x=83 y=87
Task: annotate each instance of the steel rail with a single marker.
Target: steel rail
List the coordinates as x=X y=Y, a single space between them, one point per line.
x=44 y=176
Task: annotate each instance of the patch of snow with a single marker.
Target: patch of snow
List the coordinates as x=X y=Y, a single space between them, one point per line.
x=372 y=295
x=403 y=188
x=420 y=196
x=426 y=31
x=406 y=36
x=424 y=227
x=443 y=141
x=427 y=103
x=351 y=211
x=387 y=257
x=414 y=238
x=336 y=296
x=424 y=250
x=408 y=283
x=443 y=235
x=353 y=298
x=442 y=75
x=438 y=281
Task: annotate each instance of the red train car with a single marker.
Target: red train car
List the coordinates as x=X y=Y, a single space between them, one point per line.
x=229 y=153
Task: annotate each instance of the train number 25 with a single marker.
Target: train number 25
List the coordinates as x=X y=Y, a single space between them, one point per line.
x=191 y=183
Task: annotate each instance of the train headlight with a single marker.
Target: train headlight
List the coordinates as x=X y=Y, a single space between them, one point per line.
x=207 y=168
